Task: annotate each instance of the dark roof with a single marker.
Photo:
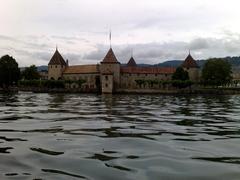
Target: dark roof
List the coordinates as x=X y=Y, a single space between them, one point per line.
x=131 y=63
x=82 y=69
x=110 y=57
x=57 y=59
x=148 y=70
x=190 y=62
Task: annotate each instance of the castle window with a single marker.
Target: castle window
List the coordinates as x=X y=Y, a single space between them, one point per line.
x=106 y=85
x=55 y=66
x=106 y=78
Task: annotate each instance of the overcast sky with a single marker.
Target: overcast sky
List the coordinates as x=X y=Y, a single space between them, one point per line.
x=155 y=30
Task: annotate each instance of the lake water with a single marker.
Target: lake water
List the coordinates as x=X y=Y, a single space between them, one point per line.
x=81 y=136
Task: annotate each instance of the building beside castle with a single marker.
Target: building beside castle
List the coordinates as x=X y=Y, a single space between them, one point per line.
x=111 y=76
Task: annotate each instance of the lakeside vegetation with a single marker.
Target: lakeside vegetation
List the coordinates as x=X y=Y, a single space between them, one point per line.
x=50 y=83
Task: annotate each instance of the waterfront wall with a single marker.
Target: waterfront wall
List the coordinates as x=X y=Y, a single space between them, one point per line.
x=196 y=91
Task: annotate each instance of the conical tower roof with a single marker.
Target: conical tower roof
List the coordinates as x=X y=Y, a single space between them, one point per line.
x=110 y=58
x=190 y=62
x=131 y=62
x=57 y=59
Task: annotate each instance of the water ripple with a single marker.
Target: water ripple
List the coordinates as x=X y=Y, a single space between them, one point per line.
x=83 y=136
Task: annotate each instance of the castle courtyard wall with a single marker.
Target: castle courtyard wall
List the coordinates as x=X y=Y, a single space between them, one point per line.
x=89 y=78
x=128 y=80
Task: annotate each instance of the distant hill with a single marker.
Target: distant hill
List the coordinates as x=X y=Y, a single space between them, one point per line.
x=234 y=61
x=171 y=63
x=39 y=68
x=42 y=68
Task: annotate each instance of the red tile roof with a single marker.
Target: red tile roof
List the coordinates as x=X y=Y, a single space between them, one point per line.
x=57 y=59
x=190 y=62
x=82 y=69
x=148 y=70
x=131 y=63
x=110 y=58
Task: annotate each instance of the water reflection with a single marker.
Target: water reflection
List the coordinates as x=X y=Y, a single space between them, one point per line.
x=5 y=150
x=62 y=173
x=118 y=167
x=234 y=160
x=84 y=136
x=48 y=152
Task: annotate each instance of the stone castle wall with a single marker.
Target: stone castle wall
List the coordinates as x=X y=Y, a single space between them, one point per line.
x=89 y=78
x=128 y=81
x=113 y=69
x=194 y=74
x=55 y=72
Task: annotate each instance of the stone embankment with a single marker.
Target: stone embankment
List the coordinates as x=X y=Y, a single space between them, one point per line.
x=197 y=91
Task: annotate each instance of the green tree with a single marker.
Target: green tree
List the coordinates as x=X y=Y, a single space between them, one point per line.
x=216 y=72
x=180 y=74
x=30 y=73
x=180 y=78
x=9 y=71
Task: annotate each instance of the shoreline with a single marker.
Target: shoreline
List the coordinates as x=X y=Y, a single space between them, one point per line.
x=195 y=91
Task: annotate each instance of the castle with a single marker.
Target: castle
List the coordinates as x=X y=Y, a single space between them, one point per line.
x=111 y=76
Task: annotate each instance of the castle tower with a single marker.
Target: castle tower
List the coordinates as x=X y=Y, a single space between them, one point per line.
x=191 y=66
x=56 y=66
x=110 y=73
x=131 y=62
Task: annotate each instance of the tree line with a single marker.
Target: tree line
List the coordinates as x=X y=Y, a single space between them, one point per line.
x=215 y=72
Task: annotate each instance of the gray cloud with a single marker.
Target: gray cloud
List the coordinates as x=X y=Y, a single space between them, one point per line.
x=199 y=44
x=70 y=39
x=27 y=52
x=201 y=48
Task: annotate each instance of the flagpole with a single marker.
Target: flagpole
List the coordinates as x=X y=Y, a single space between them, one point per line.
x=110 y=38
